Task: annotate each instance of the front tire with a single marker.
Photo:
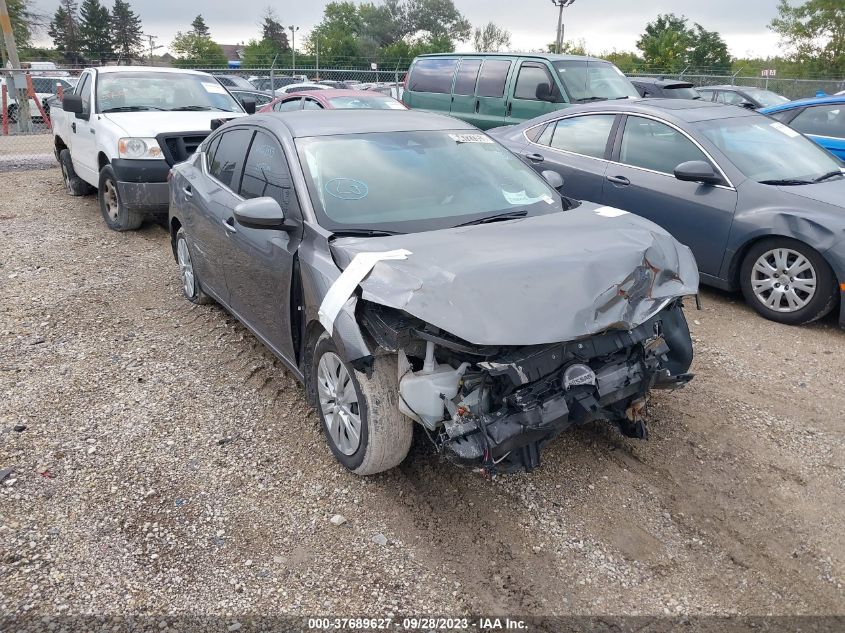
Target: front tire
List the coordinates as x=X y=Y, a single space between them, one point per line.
x=787 y=281
x=117 y=216
x=360 y=415
x=191 y=287
x=73 y=183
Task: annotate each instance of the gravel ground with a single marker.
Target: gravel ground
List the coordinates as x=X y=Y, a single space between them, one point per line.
x=169 y=464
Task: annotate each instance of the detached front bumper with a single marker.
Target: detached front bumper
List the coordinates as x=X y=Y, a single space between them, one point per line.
x=614 y=373
x=142 y=184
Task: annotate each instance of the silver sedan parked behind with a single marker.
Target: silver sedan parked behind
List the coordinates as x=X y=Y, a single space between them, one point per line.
x=409 y=269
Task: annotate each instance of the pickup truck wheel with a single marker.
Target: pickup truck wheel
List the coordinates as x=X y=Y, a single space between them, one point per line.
x=787 y=281
x=360 y=415
x=115 y=213
x=191 y=287
x=74 y=184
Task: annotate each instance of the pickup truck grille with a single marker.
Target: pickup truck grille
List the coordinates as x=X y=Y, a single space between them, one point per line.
x=178 y=147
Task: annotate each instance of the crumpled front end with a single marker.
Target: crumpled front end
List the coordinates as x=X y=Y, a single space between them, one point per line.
x=496 y=407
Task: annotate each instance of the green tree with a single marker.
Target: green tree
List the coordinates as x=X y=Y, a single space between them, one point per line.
x=337 y=34
x=273 y=32
x=260 y=53
x=569 y=47
x=126 y=31
x=193 y=50
x=64 y=31
x=25 y=21
x=491 y=38
x=438 y=20
x=95 y=31
x=709 y=51
x=665 y=43
x=814 y=32
x=199 y=27
x=386 y=23
x=626 y=61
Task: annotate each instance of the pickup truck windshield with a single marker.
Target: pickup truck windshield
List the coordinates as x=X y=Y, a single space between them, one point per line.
x=138 y=91
x=587 y=80
x=383 y=181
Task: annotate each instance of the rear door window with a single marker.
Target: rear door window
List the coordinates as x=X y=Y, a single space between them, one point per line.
x=227 y=162
x=531 y=77
x=493 y=77
x=585 y=135
x=432 y=75
x=467 y=76
x=822 y=120
x=311 y=104
x=290 y=104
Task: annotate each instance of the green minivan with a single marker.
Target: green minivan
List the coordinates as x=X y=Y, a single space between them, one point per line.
x=493 y=89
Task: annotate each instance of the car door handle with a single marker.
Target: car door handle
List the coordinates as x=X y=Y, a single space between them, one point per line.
x=619 y=180
x=73 y=127
x=510 y=108
x=229 y=225
x=477 y=105
x=188 y=191
x=535 y=158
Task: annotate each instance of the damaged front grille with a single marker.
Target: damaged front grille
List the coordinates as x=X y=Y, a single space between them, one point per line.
x=180 y=146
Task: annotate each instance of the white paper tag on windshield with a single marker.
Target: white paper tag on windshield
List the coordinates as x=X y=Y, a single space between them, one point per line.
x=783 y=129
x=213 y=88
x=610 y=212
x=470 y=138
x=520 y=197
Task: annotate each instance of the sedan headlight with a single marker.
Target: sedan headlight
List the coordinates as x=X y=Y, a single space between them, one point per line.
x=138 y=148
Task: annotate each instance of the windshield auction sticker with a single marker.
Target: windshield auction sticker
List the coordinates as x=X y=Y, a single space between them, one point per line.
x=783 y=129
x=213 y=88
x=470 y=138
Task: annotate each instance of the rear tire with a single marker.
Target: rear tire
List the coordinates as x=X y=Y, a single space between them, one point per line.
x=117 y=216
x=191 y=287
x=787 y=281
x=74 y=184
x=384 y=433
x=12 y=113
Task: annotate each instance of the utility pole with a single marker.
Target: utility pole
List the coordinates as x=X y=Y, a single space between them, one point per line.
x=151 y=39
x=16 y=77
x=560 y=4
x=293 y=30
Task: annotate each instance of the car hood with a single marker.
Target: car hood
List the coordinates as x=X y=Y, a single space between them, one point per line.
x=538 y=280
x=831 y=192
x=150 y=124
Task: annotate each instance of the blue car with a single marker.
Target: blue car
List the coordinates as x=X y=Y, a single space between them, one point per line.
x=822 y=119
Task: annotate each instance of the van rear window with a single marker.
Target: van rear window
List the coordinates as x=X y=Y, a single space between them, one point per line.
x=494 y=75
x=432 y=75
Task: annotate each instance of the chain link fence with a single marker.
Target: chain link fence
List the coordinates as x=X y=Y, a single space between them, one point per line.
x=22 y=146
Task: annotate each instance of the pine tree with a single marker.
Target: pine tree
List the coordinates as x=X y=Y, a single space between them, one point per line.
x=95 y=31
x=273 y=31
x=200 y=28
x=64 y=30
x=126 y=31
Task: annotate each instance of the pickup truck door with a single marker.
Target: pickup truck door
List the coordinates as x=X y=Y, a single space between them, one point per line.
x=82 y=137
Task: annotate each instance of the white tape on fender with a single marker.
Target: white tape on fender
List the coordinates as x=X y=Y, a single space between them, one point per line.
x=345 y=285
x=610 y=212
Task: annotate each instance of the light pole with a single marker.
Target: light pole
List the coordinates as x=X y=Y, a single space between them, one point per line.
x=293 y=30
x=560 y=4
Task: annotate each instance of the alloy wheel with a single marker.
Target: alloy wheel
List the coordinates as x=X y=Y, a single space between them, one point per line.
x=783 y=280
x=339 y=403
x=186 y=268
x=112 y=202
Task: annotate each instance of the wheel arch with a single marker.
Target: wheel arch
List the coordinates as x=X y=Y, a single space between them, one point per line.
x=174 y=226
x=102 y=160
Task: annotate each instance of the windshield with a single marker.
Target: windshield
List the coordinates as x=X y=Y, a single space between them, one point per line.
x=684 y=92
x=587 y=80
x=133 y=91
x=766 y=98
x=366 y=101
x=416 y=181
x=766 y=150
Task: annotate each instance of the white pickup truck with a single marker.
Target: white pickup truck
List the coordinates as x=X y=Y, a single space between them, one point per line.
x=123 y=127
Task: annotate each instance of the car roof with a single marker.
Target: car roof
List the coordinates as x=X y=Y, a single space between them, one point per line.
x=331 y=92
x=552 y=57
x=662 y=82
x=157 y=69
x=303 y=123
x=729 y=87
x=800 y=103
x=680 y=110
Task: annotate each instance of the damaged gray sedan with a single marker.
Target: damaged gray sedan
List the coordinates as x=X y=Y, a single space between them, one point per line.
x=407 y=268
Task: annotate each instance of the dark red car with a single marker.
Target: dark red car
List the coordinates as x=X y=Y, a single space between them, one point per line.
x=333 y=100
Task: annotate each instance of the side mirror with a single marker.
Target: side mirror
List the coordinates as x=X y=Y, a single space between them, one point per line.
x=249 y=105
x=748 y=105
x=72 y=103
x=260 y=213
x=545 y=92
x=697 y=171
x=553 y=178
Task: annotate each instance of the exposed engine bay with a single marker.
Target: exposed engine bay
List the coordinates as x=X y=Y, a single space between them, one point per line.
x=496 y=407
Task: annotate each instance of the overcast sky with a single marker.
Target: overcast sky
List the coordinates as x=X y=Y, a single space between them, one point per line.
x=603 y=24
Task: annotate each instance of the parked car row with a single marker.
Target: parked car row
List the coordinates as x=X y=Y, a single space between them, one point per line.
x=495 y=288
